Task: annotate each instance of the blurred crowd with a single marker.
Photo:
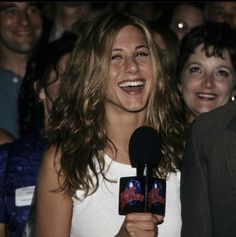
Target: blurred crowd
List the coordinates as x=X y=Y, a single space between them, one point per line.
x=47 y=21
x=196 y=39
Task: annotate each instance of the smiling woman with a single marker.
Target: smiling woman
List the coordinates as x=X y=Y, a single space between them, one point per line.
x=117 y=80
x=132 y=70
x=206 y=67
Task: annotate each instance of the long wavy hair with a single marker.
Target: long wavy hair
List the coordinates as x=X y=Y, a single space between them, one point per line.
x=78 y=115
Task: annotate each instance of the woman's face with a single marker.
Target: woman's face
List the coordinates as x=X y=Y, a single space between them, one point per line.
x=206 y=82
x=131 y=72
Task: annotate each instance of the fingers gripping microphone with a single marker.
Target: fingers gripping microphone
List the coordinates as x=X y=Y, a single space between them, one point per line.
x=143 y=193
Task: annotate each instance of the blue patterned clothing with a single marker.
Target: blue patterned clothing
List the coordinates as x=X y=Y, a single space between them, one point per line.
x=19 y=168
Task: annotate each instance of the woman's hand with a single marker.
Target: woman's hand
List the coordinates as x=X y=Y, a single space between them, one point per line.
x=140 y=225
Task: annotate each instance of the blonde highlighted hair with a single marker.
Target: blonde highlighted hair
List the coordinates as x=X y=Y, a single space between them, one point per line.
x=78 y=116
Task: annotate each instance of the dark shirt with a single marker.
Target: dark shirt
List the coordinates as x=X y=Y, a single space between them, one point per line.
x=9 y=92
x=19 y=168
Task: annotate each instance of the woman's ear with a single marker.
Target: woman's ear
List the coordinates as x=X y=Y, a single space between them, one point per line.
x=41 y=92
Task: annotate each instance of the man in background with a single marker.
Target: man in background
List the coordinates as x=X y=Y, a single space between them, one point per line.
x=21 y=26
x=221 y=12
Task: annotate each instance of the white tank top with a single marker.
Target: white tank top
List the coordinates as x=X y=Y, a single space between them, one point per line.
x=97 y=215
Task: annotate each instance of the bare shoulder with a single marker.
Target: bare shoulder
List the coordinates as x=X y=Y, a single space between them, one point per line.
x=53 y=205
x=52 y=157
x=50 y=166
x=53 y=151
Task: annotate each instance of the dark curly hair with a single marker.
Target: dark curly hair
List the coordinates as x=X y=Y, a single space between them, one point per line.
x=41 y=63
x=214 y=36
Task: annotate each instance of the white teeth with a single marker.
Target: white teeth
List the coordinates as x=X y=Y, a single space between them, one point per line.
x=131 y=83
x=206 y=95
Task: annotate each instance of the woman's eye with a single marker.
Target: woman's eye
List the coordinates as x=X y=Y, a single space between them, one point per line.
x=142 y=54
x=222 y=73
x=194 y=69
x=116 y=57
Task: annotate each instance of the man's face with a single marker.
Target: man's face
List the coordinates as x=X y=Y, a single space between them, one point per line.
x=21 y=26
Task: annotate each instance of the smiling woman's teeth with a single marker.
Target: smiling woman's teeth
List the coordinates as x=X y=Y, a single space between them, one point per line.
x=131 y=84
x=207 y=96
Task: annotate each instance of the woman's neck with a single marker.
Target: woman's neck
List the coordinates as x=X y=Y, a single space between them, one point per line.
x=119 y=131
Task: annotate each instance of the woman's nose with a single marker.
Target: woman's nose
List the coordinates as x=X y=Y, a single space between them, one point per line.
x=208 y=81
x=131 y=65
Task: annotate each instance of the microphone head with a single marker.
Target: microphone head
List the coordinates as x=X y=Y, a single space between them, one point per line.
x=145 y=147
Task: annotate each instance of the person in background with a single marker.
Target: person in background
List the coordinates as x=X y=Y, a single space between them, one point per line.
x=208 y=182
x=185 y=16
x=221 y=12
x=167 y=41
x=21 y=26
x=120 y=84
x=20 y=160
x=147 y=10
x=62 y=15
x=206 y=67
